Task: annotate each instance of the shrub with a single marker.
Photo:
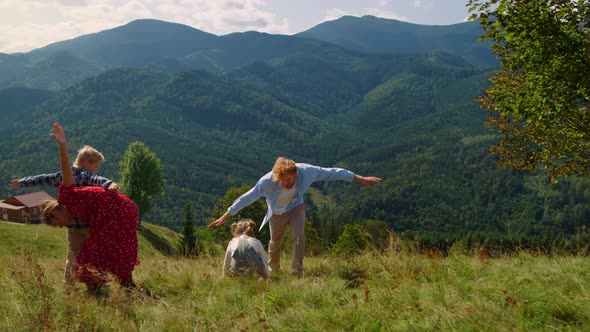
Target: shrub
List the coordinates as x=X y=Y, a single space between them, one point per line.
x=353 y=240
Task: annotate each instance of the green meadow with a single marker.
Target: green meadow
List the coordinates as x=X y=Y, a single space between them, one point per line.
x=394 y=289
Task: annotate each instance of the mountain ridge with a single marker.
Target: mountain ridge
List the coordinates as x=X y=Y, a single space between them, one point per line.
x=371 y=34
x=174 y=47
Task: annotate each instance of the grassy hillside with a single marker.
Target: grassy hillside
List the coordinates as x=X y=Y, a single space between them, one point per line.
x=394 y=290
x=50 y=242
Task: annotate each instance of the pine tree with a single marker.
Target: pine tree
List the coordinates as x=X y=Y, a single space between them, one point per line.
x=189 y=241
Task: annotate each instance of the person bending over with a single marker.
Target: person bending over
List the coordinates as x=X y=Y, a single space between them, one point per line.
x=84 y=171
x=111 y=249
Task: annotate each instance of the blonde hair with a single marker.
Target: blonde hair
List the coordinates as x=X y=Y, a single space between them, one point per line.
x=243 y=226
x=88 y=153
x=283 y=166
x=47 y=206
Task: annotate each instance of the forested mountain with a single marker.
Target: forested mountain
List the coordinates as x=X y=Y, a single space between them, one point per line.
x=370 y=34
x=17 y=104
x=198 y=124
x=172 y=47
x=138 y=43
x=408 y=118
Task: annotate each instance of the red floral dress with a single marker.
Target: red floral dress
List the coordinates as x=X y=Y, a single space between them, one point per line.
x=112 y=221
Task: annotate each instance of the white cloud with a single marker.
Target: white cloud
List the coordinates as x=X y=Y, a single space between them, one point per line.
x=379 y=11
x=213 y=16
x=26 y=25
x=29 y=24
x=224 y=16
x=423 y=3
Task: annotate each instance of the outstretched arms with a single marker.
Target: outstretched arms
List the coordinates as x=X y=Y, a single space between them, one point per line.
x=220 y=221
x=66 y=167
x=246 y=199
x=114 y=187
x=367 y=181
x=15 y=183
x=52 y=179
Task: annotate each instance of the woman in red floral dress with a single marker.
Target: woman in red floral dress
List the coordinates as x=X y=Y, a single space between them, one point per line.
x=112 y=220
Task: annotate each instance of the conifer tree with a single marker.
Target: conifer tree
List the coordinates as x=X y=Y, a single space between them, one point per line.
x=189 y=241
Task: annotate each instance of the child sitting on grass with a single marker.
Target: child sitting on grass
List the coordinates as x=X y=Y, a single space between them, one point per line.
x=245 y=254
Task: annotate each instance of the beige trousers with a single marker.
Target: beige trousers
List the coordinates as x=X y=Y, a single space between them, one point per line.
x=295 y=219
x=76 y=238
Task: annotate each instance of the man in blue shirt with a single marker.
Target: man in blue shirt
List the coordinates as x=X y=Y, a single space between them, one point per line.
x=283 y=188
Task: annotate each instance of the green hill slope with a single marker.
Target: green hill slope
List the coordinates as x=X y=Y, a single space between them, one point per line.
x=17 y=104
x=47 y=241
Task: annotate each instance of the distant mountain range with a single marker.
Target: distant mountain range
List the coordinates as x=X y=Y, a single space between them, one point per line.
x=175 y=47
x=373 y=35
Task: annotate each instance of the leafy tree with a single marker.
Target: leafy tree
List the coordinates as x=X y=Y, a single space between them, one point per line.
x=142 y=176
x=189 y=241
x=540 y=98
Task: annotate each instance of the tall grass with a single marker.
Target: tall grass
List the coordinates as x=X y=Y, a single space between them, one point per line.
x=41 y=239
x=396 y=290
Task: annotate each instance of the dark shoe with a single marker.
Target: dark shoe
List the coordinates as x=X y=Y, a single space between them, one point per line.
x=128 y=283
x=94 y=289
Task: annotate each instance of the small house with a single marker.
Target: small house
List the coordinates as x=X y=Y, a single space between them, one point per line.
x=24 y=208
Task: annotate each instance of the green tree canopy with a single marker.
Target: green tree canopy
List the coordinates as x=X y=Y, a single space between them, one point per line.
x=142 y=176
x=539 y=101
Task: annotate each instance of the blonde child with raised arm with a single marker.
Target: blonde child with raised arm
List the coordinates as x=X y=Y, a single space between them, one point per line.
x=85 y=166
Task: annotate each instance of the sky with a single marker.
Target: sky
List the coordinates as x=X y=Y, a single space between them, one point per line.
x=29 y=24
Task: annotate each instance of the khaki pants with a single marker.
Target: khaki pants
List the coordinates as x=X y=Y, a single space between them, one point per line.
x=295 y=218
x=76 y=238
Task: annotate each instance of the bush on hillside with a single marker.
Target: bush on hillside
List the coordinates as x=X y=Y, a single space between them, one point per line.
x=353 y=240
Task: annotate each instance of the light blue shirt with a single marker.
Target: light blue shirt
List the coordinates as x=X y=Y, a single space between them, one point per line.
x=306 y=175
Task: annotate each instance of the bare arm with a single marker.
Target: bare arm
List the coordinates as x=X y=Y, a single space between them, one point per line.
x=66 y=167
x=15 y=184
x=367 y=181
x=114 y=187
x=220 y=221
